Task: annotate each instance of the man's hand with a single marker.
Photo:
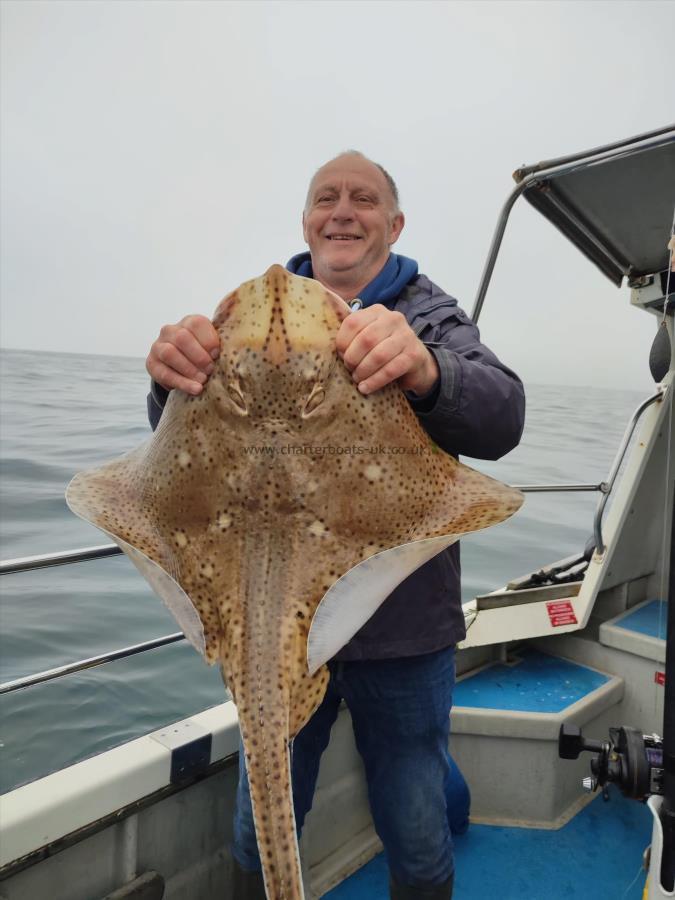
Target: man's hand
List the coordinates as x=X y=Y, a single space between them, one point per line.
x=182 y=356
x=378 y=346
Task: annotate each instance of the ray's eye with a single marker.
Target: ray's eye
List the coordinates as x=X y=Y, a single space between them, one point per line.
x=315 y=399
x=236 y=396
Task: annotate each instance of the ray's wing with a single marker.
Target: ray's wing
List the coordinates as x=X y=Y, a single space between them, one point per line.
x=167 y=505
x=409 y=505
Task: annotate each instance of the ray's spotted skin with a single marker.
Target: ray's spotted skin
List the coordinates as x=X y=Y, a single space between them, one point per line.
x=242 y=513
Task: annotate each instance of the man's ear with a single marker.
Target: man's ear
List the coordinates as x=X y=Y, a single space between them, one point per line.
x=397 y=224
x=304 y=227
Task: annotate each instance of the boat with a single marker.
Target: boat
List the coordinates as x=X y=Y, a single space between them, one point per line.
x=566 y=678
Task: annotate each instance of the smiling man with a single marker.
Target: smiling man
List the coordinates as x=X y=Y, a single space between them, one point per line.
x=397 y=673
x=351 y=218
x=350 y=221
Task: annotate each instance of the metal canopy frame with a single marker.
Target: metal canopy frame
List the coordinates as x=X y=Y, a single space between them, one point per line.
x=611 y=202
x=615 y=204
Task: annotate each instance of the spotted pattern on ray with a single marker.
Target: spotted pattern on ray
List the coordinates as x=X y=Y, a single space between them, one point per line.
x=225 y=520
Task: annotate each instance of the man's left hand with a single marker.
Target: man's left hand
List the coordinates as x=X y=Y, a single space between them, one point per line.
x=378 y=346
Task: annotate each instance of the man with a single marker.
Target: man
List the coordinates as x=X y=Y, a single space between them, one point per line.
x=397 y=673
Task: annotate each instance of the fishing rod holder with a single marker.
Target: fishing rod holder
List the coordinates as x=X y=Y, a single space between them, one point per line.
x=629 y=759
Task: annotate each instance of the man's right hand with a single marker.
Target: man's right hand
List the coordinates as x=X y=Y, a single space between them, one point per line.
x=182 y=356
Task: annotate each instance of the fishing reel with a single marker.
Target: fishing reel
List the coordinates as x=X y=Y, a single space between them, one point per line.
x=629 y=759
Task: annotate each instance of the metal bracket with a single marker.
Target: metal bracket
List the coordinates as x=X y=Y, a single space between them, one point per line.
x=190 y=747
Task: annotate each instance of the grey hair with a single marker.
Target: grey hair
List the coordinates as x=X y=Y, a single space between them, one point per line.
x=391 y=184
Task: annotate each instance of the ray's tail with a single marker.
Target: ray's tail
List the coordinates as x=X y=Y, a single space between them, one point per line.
x=263 y=720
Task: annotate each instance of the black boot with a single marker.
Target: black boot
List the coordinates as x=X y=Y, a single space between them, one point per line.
x=246 y=885
x=398 y=891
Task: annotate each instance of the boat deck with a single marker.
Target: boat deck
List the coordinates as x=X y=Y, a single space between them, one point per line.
x=597 y=854
x=648 y=618
x=640 y=630
x=530 y=682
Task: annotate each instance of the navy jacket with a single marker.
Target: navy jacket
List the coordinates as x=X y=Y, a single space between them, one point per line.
x=477 y=409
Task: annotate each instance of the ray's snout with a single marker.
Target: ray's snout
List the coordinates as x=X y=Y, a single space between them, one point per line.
x=279 y=318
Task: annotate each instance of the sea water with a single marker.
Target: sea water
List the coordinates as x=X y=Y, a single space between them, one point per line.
x=61 y=413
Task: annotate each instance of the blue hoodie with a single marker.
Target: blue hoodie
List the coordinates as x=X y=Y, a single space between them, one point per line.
x=397 y=272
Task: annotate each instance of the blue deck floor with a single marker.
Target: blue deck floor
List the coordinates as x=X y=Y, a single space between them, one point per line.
x=532 y=682
x=650 y=619
x=596 y=856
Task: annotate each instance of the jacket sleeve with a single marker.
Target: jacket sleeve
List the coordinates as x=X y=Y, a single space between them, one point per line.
x=478 y=407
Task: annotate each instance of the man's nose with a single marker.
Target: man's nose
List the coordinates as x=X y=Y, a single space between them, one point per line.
x=343 y=209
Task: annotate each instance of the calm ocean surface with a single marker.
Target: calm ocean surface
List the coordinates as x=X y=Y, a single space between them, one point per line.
x=61 y=413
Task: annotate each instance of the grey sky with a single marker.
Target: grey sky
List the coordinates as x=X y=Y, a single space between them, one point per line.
x=156 y=154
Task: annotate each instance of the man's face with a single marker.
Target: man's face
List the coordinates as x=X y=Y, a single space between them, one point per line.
x=350 y=221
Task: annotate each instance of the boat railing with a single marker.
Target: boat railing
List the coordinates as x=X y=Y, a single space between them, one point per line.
x=67 y=557
x=616 y=465
x=90 y=663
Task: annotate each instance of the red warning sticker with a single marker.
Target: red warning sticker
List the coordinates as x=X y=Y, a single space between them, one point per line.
x=561 y=612
x=660 y=677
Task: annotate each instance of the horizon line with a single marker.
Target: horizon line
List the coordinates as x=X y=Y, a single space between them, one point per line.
x=127 y=356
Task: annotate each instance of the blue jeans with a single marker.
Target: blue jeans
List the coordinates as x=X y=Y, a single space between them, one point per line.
x=400 y=712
